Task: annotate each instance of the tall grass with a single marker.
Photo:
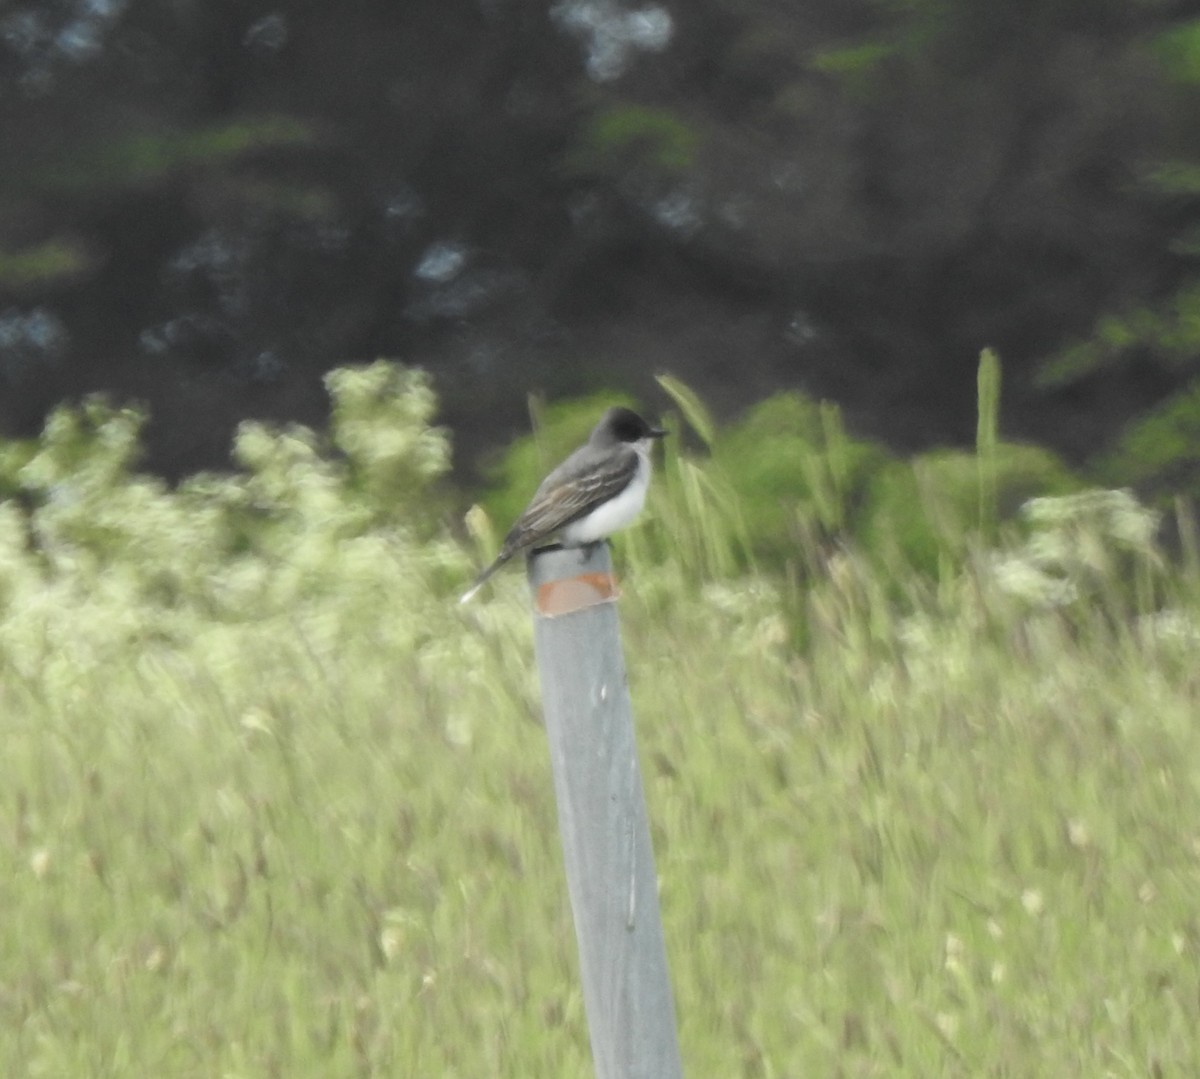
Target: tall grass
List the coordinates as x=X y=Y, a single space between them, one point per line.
x=275 y=805
x=987 y=435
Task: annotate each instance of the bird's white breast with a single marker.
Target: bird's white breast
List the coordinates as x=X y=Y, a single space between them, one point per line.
x=614 y=514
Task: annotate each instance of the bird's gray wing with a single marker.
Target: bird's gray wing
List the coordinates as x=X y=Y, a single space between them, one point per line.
x=571 y=491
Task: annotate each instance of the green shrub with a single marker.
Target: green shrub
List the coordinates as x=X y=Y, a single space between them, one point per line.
x=797 y=473
x=923 y=512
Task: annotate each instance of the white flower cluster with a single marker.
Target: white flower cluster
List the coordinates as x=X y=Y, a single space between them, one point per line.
x=312 y=542
x=1076 y=544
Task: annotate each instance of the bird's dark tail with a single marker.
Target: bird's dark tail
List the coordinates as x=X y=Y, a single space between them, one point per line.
x=481 y=580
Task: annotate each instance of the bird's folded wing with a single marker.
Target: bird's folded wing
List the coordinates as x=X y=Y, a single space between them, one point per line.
x=564 y=498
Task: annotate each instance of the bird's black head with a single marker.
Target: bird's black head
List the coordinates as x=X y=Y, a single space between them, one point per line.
x=625 y=425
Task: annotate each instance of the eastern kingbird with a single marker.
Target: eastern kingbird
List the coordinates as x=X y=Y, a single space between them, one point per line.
x=599 y=489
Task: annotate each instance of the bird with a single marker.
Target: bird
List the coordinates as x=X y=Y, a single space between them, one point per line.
x=595 y=492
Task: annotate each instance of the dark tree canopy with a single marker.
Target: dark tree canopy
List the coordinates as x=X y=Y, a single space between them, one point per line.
x=208 y=204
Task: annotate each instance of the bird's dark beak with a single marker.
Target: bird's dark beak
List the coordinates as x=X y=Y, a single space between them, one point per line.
x=658 y=432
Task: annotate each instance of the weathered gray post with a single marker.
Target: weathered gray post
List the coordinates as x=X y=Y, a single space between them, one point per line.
x=602 y=816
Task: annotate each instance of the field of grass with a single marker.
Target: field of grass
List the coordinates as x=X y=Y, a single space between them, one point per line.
x=274 y=805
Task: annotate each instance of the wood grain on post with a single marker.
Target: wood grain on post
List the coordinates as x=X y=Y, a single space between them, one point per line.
x=602 y=816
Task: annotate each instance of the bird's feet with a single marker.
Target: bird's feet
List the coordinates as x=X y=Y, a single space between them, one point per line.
x=586 y=550
x=589 y=549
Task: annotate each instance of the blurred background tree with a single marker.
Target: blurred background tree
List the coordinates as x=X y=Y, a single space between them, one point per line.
x=206 y=205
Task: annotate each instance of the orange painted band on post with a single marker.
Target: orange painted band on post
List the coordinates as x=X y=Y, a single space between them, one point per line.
x=573 y=594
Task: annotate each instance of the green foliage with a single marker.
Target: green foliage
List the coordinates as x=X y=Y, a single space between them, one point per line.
x=787 y=478
x=1169 y=335
x=924 y=512
x=92 y=446
x=380 y=421
x=622 y=138
x=273 y=802
x=1178 y=49
x=787 y=475
x=796 y=471
x=145 y=158
x=42 y=264
x=1161 y=453
x=857 y=66
x=698 y=533
x=694 y=410
x=987 y=434
x=1175 y=178
x=14 y=456
x=1155 y=453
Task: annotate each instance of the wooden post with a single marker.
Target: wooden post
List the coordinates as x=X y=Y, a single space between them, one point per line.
x=602 y=816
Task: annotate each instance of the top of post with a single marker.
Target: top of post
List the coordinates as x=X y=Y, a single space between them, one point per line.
x=569 y=579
